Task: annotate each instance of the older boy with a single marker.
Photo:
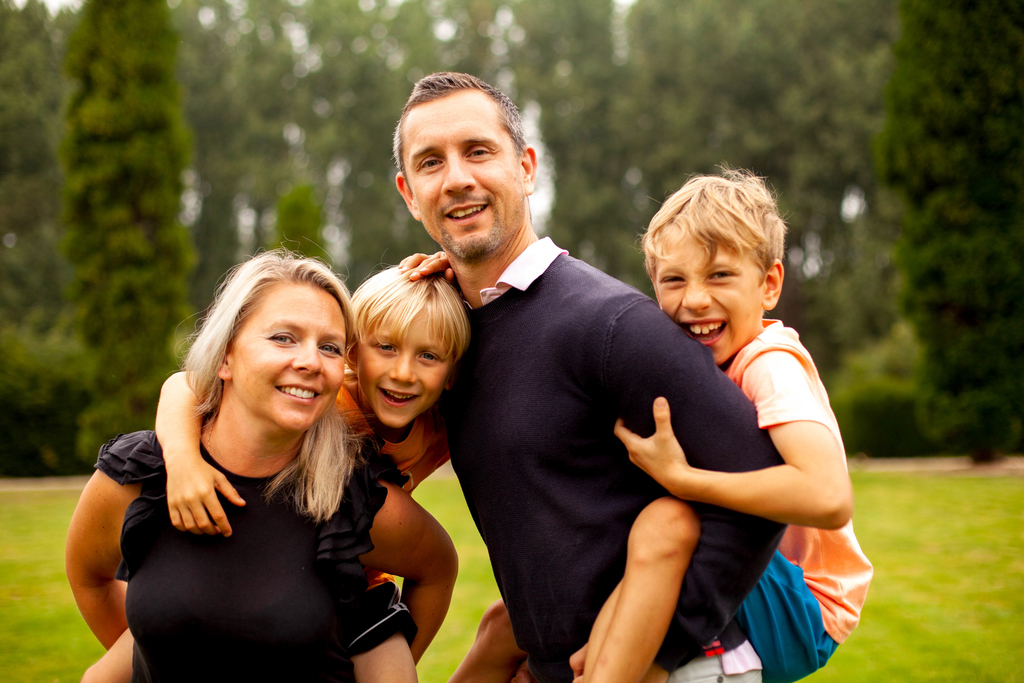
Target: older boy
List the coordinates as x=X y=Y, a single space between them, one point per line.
x=714 y=254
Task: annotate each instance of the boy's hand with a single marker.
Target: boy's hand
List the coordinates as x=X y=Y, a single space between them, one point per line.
x=579 y=658
x=192 y=498
x=660 y=455
x=421 y=265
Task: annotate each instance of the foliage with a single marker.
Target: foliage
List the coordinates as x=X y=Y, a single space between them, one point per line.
x=32 y=272
x=947 y=591
x=298 y=223
x=877 y=419
x=123 y=155
x=954 y=147
x=42 y=391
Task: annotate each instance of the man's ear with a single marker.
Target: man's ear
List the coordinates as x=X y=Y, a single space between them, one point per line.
x=773 y=285
x=410 y=199
x=529 y=164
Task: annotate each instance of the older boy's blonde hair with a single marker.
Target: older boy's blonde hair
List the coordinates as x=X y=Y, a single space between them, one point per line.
x=735 y=210
x=390 y=301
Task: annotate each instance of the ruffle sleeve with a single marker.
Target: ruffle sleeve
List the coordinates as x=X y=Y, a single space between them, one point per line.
x=346 y=535
x=137 y=458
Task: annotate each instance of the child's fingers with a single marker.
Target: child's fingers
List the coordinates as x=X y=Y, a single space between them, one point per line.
x=663 y=417
x=627 y=437
x=227 y=490
x=203 y=524
x=410 y=262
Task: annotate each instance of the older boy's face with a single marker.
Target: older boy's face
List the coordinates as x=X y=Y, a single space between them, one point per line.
x=718 y=301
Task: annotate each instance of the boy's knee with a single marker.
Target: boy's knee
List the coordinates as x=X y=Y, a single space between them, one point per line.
x=666 y=529
x=495 y=622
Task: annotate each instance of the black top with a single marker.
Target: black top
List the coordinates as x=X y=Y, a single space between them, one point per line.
x=552 y=489
x=258 y=606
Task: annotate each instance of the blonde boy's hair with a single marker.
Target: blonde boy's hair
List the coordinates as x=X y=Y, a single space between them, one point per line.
x=735 y=210
x=391 y=301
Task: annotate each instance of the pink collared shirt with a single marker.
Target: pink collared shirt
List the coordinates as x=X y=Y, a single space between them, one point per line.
x=527 y=267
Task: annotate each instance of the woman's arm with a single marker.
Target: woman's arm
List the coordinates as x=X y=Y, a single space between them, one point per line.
x=409 y=542
x=192 y=484
x=811 y=489
x=93 y=552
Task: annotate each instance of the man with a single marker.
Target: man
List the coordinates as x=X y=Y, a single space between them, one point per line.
x=559 y=351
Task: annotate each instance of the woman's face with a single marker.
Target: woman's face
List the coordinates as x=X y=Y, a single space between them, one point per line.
x=285 y=365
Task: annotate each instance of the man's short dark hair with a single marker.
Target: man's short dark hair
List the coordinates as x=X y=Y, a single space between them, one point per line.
x=444 y=83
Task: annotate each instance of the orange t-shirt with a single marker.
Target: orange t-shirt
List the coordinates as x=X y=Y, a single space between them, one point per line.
x=777 y=374
x=417 y=456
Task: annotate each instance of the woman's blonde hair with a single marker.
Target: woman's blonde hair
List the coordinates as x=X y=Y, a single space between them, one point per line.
x=735 y=210
x=314 y=482
x=391 y=301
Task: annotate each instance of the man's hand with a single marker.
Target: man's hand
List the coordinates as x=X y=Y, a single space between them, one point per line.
x=421 y=265
x=659 y=455
x=192 y=497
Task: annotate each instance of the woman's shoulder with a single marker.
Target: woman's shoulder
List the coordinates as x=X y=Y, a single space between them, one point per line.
x=132 y=458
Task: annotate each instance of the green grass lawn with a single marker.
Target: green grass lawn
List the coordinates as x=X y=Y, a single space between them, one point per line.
x=947 y=602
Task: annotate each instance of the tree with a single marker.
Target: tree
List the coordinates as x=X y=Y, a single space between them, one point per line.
x=953 y=146
x=123 y=155
x=298 y=223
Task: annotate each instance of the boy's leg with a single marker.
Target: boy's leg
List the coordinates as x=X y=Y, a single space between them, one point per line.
x=494 y=656
x=632 y=624
x=389 y=662
x=782 y=620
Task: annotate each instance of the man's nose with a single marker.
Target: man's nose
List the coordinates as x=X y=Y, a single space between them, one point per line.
x=459 y=176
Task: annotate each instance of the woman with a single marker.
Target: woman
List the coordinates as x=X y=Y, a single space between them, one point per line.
x=268 y=603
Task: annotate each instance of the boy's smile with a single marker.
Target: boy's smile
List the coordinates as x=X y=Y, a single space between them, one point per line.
x=400 y=379
x=717 y=301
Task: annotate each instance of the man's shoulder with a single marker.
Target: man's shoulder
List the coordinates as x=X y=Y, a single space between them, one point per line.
x=580 y=280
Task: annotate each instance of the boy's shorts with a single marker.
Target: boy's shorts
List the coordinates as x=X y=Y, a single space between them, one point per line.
x=375 y=616
x=782 y=619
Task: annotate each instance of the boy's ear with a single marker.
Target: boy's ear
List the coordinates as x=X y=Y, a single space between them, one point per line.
x=773 y=285
x=452 y=374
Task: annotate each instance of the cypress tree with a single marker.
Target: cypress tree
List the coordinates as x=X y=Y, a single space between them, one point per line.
x=298 y=223
x=123 y=154
x=954 y=147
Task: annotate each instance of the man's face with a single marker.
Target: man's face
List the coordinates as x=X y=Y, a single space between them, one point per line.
x=463 y=179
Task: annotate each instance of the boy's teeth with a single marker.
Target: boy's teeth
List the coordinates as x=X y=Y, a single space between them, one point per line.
x=460 y=213
x=400 y=397
x=300 y=393
x=705 y=329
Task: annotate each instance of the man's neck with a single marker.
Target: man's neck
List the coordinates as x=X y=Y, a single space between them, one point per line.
x=482 y=274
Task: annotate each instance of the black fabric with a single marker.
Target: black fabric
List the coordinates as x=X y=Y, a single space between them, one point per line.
x=552 y=489
x=375 y=616
x=258 y=606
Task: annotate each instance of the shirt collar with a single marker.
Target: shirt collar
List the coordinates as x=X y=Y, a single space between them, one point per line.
x=526 y=268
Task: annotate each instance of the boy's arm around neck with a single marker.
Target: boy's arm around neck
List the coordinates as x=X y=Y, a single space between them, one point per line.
x=192 y=484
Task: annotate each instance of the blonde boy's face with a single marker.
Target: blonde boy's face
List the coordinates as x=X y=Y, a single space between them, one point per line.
x=400 y=378
x=719 y=302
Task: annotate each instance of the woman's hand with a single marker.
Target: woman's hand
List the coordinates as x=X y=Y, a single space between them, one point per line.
x=659 y=455
x=422 y=265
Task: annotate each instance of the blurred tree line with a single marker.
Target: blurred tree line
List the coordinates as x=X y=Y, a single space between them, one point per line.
x=291 y=105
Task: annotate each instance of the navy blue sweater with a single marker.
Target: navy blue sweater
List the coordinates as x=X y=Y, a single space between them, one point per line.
x=552 y=489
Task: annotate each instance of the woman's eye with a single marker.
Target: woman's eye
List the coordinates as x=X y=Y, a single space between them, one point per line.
x=281 y=338
x=332 y=349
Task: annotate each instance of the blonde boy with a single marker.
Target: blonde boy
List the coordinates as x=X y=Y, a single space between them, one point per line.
x=714 y=253
x=401 y=355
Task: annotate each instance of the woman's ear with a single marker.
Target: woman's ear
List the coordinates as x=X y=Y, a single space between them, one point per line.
x=224 y=371
x=773 y=285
